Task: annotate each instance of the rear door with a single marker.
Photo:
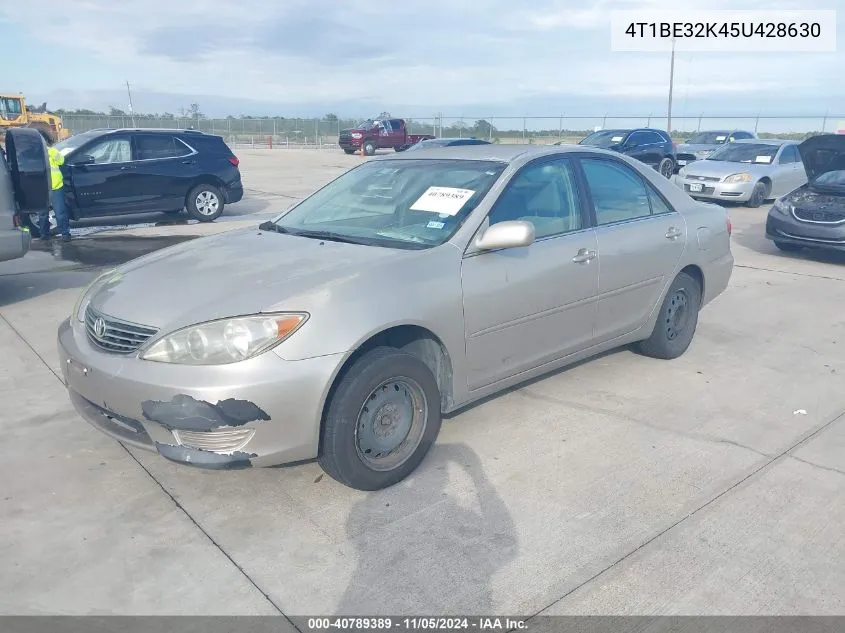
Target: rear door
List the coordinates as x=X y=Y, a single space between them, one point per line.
x=640 y=240
x=102 y=187
x=165 y=169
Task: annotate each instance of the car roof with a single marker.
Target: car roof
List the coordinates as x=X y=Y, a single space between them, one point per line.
x=147 y=130
x=497 y=152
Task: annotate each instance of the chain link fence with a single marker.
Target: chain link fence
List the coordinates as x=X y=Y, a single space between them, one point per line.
x=316 y=133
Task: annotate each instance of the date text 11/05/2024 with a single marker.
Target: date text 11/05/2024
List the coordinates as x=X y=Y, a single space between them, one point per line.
x=682 y=30
x=480 y=623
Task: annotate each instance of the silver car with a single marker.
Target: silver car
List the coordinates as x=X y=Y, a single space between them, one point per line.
x=407 y=288
x=705 y=143
x=748 y=171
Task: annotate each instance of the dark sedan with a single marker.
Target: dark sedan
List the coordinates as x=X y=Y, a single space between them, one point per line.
x=649 y=146
x=813 y=215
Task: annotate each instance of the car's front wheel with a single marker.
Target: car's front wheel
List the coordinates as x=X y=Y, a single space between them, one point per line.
x=758 y=195
x=381 y=421
x=666 y=167
x=205 y=203
x=369 y=148
x=676 y=321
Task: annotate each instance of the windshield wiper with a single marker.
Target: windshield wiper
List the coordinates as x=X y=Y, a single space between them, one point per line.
x=328 y=235
x=269 y=225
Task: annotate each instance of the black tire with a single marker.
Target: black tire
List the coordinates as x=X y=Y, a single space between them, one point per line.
x=758 y=195
x=369 y=147
x=786 y=247
x=349 y=151
x=200 y=203
x=341 y=455
x=668 y=340
x=666 y=167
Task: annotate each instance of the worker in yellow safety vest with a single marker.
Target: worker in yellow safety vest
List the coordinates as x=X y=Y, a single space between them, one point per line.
x=57 y=183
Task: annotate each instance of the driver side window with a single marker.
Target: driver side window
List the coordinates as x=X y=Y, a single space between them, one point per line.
x=544 y=194
x=111 y=150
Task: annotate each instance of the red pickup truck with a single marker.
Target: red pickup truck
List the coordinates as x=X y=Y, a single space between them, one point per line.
x=374 y=134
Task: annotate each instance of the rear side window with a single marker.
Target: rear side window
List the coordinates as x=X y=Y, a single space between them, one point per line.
x=618 y=192
x=208 y=144
x=655 y=137
x=150 y=147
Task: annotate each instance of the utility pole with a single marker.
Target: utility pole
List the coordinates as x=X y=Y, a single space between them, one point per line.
x=671 y=87
x=131 y=109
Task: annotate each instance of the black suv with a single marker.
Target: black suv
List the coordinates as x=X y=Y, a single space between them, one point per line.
x=127 y=171
x=650 y=146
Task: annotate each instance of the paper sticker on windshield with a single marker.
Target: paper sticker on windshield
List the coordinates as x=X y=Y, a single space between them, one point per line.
x=616 y=139
x=435 y=225
x=763 y=159
x=443 y=200
x=721 y=138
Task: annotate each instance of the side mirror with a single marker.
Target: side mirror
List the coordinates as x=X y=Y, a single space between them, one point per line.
x=510 y=234
x=83 y=159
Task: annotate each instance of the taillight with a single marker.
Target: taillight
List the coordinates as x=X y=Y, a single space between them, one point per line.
x=234 y=160
x=730 y=227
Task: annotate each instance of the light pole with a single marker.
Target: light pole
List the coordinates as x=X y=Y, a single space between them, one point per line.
x=671 y=86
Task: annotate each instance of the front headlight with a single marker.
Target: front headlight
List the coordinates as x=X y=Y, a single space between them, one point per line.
x=356 y=135
x=743 y=177
x=224 y=341
x=782 y=207
x=84 y=297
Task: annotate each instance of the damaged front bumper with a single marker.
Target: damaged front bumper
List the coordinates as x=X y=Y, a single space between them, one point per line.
x=264 y=411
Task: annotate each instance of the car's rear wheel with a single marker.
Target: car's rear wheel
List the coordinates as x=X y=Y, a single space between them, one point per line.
x=676 y=321
x=758 y=195
x=205 y=203
x=786 y=247
x=381 y=421
x=369 y=148
x=666 y=167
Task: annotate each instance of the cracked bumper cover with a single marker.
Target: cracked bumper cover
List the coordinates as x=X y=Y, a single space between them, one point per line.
x=146 y=404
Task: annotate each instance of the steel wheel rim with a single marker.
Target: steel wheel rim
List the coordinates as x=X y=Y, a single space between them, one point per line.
x=678 y=314
x=667 y=170
x=391 y=423
x=33 y=218
x=207 y=202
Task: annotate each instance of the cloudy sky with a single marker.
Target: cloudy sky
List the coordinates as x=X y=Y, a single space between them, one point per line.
x=357 y=57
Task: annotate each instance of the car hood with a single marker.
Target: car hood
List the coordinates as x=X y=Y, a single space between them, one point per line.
x=718 y=168
x=822 y=154
x=236 y=273
x=692 y=148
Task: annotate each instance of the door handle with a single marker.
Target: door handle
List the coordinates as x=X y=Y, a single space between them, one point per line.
x=673 y=233
x=127 y=167
x=584 y=256
x=188 y=162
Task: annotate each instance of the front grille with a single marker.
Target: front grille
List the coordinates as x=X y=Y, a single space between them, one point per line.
x=822 y=217
x=703 y=178
x=115 y=335
x=217 y=441
x=344 y=137
x=703 y=190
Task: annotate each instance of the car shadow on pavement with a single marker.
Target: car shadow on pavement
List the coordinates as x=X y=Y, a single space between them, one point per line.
x=439 y=558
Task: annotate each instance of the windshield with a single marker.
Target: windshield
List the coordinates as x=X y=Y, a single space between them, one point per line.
x=366 y=124
x=830 y=180
x=709 y=138
x=394 y=203
x=754 y=153
x=605 y=138
x=77 y=140
x=10 y=109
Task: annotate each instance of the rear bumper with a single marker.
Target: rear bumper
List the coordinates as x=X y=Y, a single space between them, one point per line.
x=14 y=243
x=234 y=193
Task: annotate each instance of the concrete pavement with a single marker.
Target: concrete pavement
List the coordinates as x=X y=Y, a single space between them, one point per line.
x=707 y=485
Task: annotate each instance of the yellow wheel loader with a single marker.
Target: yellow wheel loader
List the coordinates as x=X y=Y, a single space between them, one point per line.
x=15 y=113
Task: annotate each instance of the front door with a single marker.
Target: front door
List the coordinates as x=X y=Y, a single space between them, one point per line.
x=524 y=307
x=103 y=186
x=790 y=173
x=640 y=240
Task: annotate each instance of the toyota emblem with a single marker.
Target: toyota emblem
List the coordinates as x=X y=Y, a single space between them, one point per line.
x=99 y=327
